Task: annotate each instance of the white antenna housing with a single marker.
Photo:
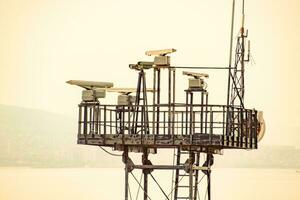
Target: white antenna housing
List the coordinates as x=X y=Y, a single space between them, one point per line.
x=161 y=59
x=197 y=82
x=90 y=84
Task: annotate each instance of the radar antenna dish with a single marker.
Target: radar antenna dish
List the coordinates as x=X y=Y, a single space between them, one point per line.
x=196 y=75
x=162 y=52
x=89 y=85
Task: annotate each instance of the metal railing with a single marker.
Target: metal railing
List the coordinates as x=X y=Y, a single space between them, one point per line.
x=179 y=119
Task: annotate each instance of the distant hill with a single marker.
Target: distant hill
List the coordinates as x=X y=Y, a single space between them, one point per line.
x=38 y=138
x=263 y=157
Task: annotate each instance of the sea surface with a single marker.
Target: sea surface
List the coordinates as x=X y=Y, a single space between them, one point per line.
x=108 y=184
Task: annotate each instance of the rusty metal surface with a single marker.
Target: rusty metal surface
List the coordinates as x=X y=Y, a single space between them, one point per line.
x=113 y=125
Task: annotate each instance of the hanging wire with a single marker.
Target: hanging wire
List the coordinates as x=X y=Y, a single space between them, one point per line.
x=198 y=194
x=110 y=152
x=252 y=60
x=173 y=171
x=230 y=52
x=140 y=185
x=175 y=186
x=198 y=188
x=206 y=193
x=138 y=192
x=243 y=9
x=159 y=186
x=195 y=67
x=201 y=179
x=129 y=192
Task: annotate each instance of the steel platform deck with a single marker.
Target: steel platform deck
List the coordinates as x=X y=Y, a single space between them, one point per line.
x=203 y=127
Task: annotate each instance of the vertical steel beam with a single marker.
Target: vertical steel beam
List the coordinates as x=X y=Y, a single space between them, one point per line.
x=191 y=118
x=191 y=187
x=209 y=160
x=79 y=119
x=104 y=126
x=186 y=111
x=209 y=185
x=201 y=113
x=154 y=101
x=177 y=174
x=125 y=157
x=158 y=101
x=85 y=119
x=145 y=172
x=206 y=110
x=173 y=107
x=169 y=99
x=196 y=175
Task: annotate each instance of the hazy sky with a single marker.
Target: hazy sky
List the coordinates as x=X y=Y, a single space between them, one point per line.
x=43 y=43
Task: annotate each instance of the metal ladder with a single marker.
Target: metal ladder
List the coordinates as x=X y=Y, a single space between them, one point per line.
x=185 y=190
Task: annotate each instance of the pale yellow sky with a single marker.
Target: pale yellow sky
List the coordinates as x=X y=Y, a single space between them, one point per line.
x=43 y=43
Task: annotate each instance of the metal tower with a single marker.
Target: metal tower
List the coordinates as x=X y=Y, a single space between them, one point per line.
x=195 y=130
x=238 y=72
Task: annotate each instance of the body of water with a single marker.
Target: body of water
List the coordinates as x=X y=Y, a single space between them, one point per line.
x=108 y=184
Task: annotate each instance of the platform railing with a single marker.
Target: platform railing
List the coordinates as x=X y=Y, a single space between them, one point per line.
x=234 y=124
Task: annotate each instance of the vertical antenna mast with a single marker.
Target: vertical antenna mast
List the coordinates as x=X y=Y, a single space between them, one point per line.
x=230 y=51
x=237 y=73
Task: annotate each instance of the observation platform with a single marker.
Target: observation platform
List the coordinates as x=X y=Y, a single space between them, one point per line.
x=194 y=127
